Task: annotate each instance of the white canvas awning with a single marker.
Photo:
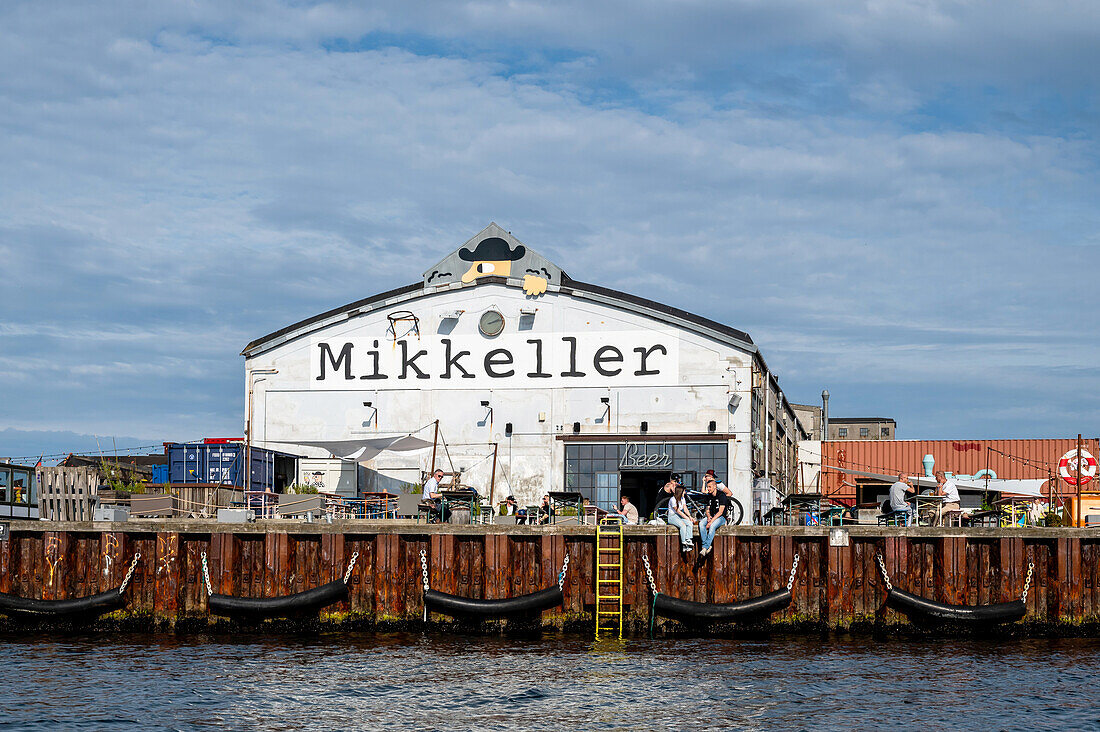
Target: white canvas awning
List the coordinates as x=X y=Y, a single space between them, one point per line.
x=362 y=450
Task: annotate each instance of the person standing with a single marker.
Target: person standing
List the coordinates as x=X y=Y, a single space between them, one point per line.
x=711 y=476
x=715 y=518
x=950 y=493
x=664 y=495
x=680 y=517
x=432 y=497
x=897 y=497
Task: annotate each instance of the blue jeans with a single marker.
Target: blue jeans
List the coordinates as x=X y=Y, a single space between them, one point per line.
x=707 y=535
x=683 y=525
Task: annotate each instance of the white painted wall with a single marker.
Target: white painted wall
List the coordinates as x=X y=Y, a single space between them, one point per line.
x=692 y=389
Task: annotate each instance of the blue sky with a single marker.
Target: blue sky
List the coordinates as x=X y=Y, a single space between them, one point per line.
x=897 y=200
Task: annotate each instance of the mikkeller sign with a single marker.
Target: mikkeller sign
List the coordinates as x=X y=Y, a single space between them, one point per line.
x=520 y=360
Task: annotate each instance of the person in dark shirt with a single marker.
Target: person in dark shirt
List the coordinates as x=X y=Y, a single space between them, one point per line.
x=717 y=509
x=664 y=494
x=546 y=511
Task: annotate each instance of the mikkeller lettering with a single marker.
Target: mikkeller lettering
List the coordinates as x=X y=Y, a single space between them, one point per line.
x=593 y=358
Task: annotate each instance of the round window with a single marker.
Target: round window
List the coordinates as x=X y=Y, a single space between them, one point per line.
x=491 y=323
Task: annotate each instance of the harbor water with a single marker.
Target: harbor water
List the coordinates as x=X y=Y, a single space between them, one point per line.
x=438 y=681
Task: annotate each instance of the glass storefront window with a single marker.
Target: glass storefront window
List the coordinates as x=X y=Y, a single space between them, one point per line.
x=589 y=468
x=21 y=481
x=5 y=483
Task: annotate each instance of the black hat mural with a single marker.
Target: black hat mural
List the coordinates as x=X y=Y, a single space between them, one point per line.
x=491 y=256
x=493 y=249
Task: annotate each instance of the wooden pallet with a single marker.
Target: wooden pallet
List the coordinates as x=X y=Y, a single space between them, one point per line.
x=66 y=494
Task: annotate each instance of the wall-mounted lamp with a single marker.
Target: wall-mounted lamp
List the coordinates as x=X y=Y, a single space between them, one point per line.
x=451 y=315
x=508 y=429
x=489 y=416
x=645 y=427
x=576 y=427
x=529 y=312
x=735 y=401
x=712 y=426
x=374 y=414
x=605 y=400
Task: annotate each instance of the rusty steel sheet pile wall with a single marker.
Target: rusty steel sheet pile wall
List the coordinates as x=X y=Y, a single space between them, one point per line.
x=836 y=587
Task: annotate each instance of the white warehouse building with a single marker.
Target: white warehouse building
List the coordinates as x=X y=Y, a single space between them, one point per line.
x=533 y=381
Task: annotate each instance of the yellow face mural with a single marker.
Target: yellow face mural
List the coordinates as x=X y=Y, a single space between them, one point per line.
x=493 y=257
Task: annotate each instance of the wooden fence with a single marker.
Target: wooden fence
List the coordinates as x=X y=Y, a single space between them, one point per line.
x=66 y=494
x=837 y=587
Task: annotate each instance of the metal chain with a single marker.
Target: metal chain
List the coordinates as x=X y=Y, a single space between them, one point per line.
x=206 y=576
x=561 y=576
x=1027 y=582
x=794 y=570
x=885 y=576
x=351 y=566
x=649 y=573
x=129 y=573
x=424 y=574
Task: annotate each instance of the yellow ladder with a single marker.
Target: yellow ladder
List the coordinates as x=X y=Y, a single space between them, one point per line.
x=609 y=577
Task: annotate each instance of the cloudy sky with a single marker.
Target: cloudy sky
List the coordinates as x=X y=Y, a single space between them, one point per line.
x=898 y=200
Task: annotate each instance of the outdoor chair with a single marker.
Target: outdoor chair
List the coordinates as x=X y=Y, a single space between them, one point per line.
x=894 y=518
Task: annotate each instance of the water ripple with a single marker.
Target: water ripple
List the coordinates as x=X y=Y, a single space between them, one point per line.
x=436 y=681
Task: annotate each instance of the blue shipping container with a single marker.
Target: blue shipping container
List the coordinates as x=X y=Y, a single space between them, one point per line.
x=222 y=463
x=160 y=475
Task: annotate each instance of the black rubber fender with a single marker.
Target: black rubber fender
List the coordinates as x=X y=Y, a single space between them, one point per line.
x=921 y=608
x=456 y=606
x=689 y=611
x=278 y=607
x=90 y=607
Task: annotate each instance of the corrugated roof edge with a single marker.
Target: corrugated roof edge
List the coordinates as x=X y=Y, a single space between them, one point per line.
x=335 y=311
x=568 y=283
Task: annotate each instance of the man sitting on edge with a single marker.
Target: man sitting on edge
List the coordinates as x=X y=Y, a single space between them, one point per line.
x=717 y=508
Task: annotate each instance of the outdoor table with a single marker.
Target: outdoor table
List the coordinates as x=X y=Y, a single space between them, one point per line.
x=1014 y=510
x=460 y=499
x=566 y=499
x=982 y=518
x=804 y=505
x=379 y=505
x=593 y=514
x=265 y=500
x=931 y=502
x=832 y=515
x=773 y=515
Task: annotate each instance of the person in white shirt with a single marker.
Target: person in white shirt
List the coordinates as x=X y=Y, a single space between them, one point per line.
x=431 y=496
x=950 y=493
x=628 y=510
x=680 y=516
